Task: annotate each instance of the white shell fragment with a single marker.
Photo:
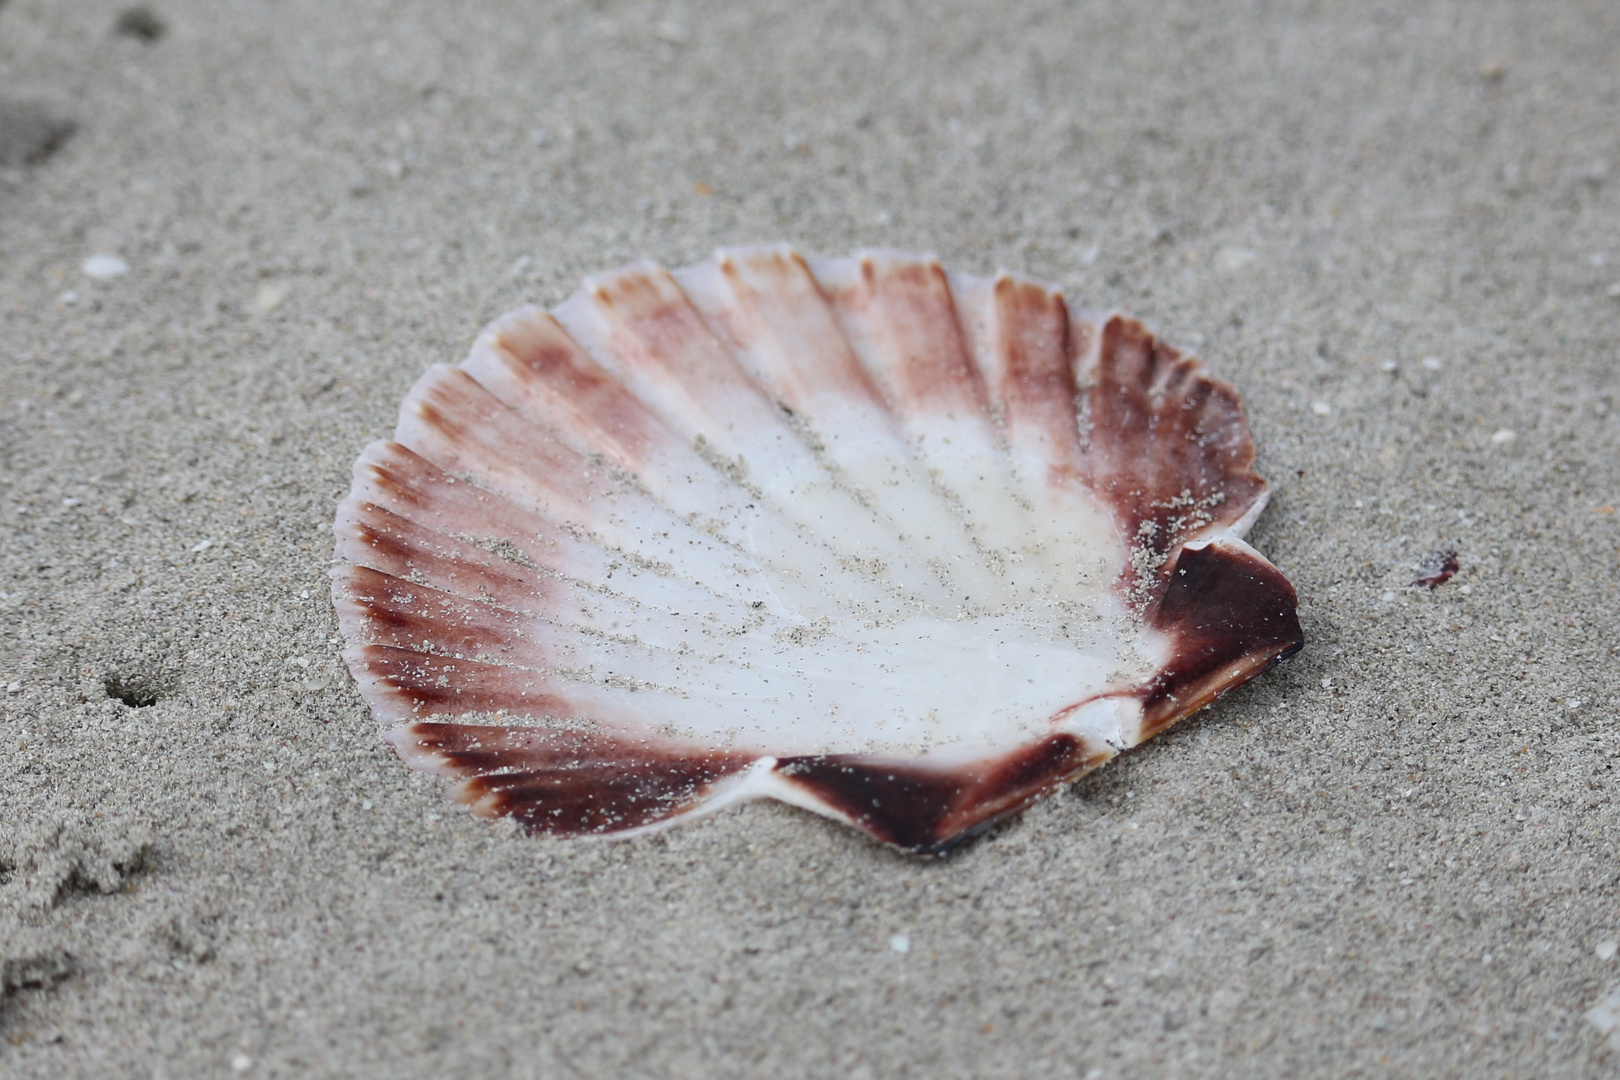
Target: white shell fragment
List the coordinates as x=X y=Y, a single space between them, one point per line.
x=899 y=546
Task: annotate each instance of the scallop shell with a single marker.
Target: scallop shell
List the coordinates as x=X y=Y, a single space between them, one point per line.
x=902 y=547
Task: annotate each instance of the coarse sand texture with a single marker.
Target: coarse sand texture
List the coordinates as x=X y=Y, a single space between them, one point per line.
x=234 y=235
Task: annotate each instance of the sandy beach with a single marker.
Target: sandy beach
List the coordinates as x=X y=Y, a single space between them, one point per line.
x=234 y=233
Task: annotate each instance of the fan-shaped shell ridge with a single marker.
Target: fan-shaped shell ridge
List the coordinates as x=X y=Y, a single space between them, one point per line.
x=898 y=545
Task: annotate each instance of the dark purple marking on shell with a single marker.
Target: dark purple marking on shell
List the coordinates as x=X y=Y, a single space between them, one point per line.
x=902 y=547
x=932 y=810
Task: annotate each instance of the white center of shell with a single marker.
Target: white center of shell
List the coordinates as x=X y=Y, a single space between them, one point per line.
x=923 y=684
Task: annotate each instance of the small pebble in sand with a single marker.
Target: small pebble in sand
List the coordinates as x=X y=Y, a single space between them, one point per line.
x=241 y=1063
x=900 y=943
x=14 y=688
x=1605 y=1016
x=104 y=267
x=1503 y=437
x=1321 y=408
x=201 y=546
x=1433 y=363
x=270 y=296
x=1234 y=258
x=670 y=32
x=1607 y=948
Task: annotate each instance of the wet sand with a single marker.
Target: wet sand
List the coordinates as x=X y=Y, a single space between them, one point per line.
x=232 y=235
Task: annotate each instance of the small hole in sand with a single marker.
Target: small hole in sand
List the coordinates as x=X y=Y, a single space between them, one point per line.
x=133 y=690
x=29 y=133
x=141 y=23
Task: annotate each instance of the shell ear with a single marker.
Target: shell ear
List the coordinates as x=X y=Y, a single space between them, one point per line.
x=1230 y=615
